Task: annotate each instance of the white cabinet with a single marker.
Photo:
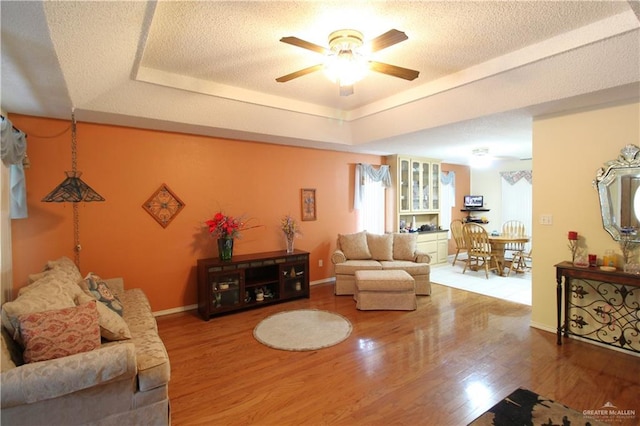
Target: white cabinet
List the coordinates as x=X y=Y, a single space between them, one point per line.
x=435 y=244
x=417 y=186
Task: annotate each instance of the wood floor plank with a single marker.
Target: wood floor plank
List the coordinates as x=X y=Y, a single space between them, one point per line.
x=444 y=364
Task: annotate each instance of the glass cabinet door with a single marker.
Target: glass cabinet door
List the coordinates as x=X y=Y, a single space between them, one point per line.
x=294 y=278
x=225 y=290
x=435 y=193
x=426 y=188
x=416 y=185
x=404 y=186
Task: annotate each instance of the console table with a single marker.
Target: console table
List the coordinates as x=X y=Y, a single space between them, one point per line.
x=251 y=280
x=598 y=305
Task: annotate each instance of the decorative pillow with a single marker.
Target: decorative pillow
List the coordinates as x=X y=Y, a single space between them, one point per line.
x=404 y=246
x=44 y=295
x=381 y=246
x=354 y=246
x=112 y=325
x=59 y=333
x=52 y=283
x=65 y=266
x=96 y=287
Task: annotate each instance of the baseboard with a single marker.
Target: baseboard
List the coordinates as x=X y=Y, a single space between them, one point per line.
x=193 y=307
x=326 y=280
x=175 y=310
x=543 y=327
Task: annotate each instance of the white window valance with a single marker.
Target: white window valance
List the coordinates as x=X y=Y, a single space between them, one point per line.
x=381 y=174
x=13 y=149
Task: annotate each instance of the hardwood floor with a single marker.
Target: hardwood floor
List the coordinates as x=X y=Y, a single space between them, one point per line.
x=443 y=364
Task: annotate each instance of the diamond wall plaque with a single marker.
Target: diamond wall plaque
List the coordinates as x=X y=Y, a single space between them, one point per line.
x=163 y=205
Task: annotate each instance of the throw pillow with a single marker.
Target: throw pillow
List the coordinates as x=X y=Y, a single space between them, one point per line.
x=354 y=246
x=404 y=246
x=59 y=333
x=44 y=295
x=96 y=287
x=112 y=325
x=65 y=266
x=381 y=246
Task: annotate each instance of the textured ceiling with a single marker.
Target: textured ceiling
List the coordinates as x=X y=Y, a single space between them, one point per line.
x=209 y=67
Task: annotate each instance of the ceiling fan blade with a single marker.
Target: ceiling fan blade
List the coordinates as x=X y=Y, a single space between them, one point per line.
x=387 y=39
x=295 y=41
x=394 y=70
x=299 y=73
x=346 y=90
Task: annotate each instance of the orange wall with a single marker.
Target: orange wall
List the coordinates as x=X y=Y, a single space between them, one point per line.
x=126 y=165
x=463 y=187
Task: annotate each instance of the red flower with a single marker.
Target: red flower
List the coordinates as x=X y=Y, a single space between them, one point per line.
x=222 y=226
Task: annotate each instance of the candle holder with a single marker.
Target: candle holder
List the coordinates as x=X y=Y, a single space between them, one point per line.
x=573 y=244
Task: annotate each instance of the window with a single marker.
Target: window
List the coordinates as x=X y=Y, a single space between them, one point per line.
x=369 y=197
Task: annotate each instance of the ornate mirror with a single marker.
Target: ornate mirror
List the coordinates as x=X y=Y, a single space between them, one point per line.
x=618 y=185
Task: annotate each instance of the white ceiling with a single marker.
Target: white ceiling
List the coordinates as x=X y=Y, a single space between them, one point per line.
x=209 y=67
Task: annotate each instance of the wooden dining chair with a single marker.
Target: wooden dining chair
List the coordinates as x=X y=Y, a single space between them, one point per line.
x=521 y=262
x=478 y=249
x=456 y=232
x=513 y=228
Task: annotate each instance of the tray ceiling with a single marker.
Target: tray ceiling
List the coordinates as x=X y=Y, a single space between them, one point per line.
x=486 y=68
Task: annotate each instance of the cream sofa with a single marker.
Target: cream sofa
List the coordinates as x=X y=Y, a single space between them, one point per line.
x=366 y=251
x=123 y=378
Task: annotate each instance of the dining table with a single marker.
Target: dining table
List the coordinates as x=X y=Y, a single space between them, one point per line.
x=498 y=245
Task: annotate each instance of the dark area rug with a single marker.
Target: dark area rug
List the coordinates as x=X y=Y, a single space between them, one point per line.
x=524 y=407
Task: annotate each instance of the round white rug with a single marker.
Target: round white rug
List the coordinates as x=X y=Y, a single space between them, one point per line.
x=302 y=330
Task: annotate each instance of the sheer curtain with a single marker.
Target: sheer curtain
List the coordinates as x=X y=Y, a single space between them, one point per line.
x=448 y=196
x=370 y=183
x=517 y=197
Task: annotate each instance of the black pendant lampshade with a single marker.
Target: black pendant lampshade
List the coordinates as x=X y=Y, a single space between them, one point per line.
x=72 y=189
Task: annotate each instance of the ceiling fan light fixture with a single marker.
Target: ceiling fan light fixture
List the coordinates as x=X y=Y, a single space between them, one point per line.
x=346 y=67
x=346 y=64
x=480 y=158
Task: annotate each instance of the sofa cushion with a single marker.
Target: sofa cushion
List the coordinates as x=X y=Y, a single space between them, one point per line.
x=380 y=246
x=404 y=246
x=96 y=287
x=354 y=246
x=151 y=355
x=411 y=268
x=112 y=325
x=61 y=332
x=351 y=266
x=46 y=294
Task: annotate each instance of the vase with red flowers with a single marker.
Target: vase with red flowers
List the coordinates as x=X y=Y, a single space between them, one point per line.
x=225 y=229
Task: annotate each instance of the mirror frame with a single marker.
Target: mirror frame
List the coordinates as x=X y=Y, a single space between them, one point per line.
x=611 y=173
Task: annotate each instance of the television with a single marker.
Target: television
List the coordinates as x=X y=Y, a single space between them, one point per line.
x=473 y=201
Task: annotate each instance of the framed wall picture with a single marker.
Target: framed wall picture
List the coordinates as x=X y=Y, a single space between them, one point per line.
x=308 y=198
x=163 y=205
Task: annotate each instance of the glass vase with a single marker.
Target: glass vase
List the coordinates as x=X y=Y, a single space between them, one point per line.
x=289 y=244
x=225 y=248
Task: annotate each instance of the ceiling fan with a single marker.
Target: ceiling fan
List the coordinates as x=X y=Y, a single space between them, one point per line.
x=346 y=58
x=481 y=158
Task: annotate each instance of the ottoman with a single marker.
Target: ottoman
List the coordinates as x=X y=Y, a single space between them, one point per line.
x=385 y=290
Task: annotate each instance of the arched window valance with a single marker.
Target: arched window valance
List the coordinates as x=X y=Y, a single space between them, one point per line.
x=368 y=171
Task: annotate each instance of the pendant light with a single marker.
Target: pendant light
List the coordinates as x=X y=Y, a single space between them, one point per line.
x=73 y=190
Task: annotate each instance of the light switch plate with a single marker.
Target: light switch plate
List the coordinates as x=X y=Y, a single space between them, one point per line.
x=546 y=219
